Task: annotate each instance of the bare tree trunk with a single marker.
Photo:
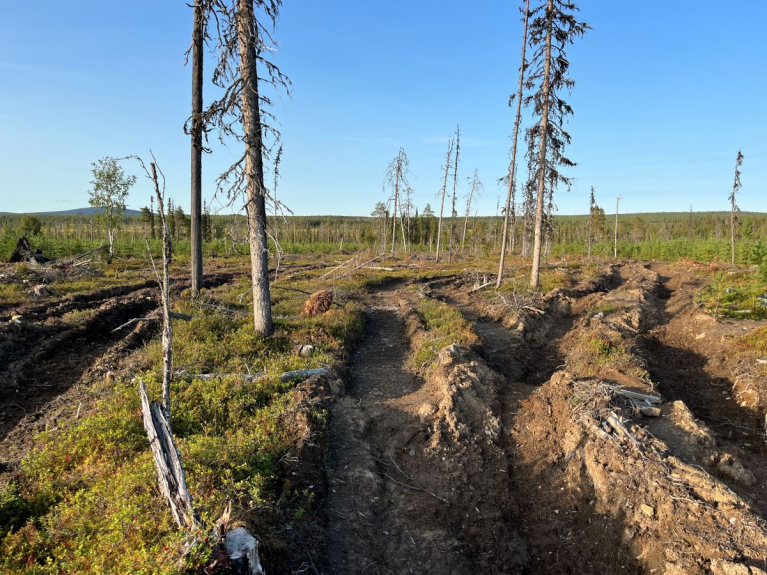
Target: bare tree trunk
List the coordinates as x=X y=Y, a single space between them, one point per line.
x=196 y=133
x=615 y=237
x=454 y=213
x=512 y=164
x=254 y=168
x=167 y=327
x=536 y=271
x=732 y=232
x=444 y=193
x=394 y=213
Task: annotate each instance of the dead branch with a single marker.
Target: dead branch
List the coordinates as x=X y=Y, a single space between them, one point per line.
x=483 y=286
x=173 y=315
x=417 y=487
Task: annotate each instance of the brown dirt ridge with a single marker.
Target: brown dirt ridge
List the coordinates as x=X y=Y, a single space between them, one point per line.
x=523 y=454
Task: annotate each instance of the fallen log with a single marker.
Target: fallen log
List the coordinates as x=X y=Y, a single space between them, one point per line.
x=173 y=315
x=249 y=377
x=299 y=374
x=483 y=286
x=171 y=478
x=303 y=374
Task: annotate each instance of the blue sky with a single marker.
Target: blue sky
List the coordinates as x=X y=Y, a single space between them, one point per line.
x=666 y=94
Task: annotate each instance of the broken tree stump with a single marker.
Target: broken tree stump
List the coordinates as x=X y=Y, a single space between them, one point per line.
x=170 y=472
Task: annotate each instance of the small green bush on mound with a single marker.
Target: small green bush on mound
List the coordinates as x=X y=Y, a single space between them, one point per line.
x=444 y=326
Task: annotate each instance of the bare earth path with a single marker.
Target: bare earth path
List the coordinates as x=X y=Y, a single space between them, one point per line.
x=407 y=494
x=376 y=524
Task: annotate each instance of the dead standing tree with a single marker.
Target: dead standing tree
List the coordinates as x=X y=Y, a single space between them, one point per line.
x=615 y=236
x=552 y=28
x=195 y=127
x=243 y=42
x=474 y=191
x=453 y=212
x=734 y=209
x=515 y=138
x=443 y=193
x=157 y=418
x=396 y=179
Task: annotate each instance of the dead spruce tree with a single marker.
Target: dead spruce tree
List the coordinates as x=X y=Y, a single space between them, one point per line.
x=615 y=235
x=396 y=179
x=552 y=29
x=509 y=211
x=734 y=209
x=245 y=42
x=195 y=127
x=453 y=212
x=475 y=189
x=443 y=193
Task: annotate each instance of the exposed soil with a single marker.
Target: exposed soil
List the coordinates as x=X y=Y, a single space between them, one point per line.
x=589 y=484
x=418 y=483
x=43 y=355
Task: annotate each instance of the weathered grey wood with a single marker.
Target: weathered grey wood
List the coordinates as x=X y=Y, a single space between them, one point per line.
x=196 y=128
x=513 y=163
x=638 y=396
x=173 y=315
x=170 y=472
x=249 y=377
x=303 y=374
x=253 y=128
x=243 y=551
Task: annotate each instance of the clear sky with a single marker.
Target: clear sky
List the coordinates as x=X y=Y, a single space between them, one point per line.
x=666 y=94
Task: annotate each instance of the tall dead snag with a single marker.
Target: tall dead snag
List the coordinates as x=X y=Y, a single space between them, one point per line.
x=734 y=207
x=615 y=236
x=157 y=418
x=590 y=230
x=396 y=179
x=553 y=27
x=196 y=125
x=443 y=193
x=244 y=44
x=515 y=138
x=474 y=191
x=453 y=212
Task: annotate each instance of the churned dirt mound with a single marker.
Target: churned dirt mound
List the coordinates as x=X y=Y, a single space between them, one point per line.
x=604 y=483
x=47 y=350
x=418 y=478
x=623 y=502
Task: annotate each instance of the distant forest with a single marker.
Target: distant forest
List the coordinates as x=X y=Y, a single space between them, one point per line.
x=697 y=235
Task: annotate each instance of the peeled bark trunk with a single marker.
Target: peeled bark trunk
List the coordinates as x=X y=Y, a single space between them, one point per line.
x=442 y=204
x=254 y=168
x=513 y=164
x=196 y=133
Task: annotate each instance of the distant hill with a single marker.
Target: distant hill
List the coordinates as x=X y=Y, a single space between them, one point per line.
x=78 y=211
